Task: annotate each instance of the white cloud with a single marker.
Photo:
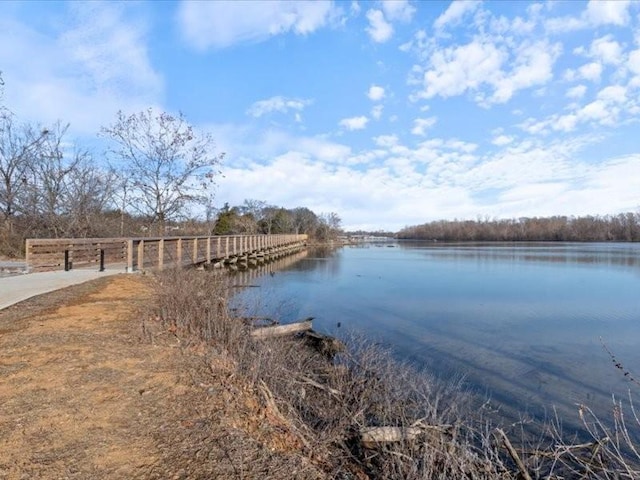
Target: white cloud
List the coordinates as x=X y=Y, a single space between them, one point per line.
x=608 y=12
x=277 y=104
x=523 y=194
x=82 y=74
x=375 y=93
x=503 y=57
x=110 y=50
x=386 y=141
x=455 y=12
x=565 y=24
x=502 y=140
x=223 y=24
x=613 y=94
x=533 y=66
x=354 y=123
x=590 y=71
x=577 y=92
x=523 y=163
x=379 y=29
x=454 y=70
x=566 y=123
x=596 y=110
x=612 y=105
x=606 y=50
x=421 y=125
x=597 y=13
x=439 y=178
x=398 y=10
x=376 y=111
x=633 y=63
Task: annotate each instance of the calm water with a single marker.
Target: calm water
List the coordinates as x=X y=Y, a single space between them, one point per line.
x=524 y=323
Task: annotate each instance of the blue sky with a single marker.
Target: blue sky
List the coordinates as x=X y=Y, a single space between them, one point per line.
x=390 y=113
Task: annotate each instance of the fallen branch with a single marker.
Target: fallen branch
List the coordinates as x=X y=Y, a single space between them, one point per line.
x=514 y=455
x=259 y=321
x=313 y=383
x=371 y=437
x=280 y=330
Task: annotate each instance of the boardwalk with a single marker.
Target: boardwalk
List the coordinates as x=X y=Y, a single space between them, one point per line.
x=59 y=263
x=138 y=254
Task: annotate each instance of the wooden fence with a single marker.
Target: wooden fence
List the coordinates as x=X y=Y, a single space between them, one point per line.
x=150 y=253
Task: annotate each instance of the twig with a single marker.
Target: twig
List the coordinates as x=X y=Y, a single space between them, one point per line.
x=332 y=391
x=514 y=455
x=618 y=364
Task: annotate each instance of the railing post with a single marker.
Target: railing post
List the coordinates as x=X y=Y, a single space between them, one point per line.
x=141 y=255
x=179 y=251
x=27 y=253
x=161 y=254
x=130 y=256
x=208 y=249
x=194 y=256
x=226 y=247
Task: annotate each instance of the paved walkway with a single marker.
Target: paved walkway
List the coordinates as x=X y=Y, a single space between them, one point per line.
x=16 y=288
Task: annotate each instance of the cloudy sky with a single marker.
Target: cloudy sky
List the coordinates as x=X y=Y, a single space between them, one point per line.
x=390 y=113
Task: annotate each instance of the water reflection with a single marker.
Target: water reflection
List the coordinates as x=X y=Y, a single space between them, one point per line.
x=522 y=322
x=614 y=254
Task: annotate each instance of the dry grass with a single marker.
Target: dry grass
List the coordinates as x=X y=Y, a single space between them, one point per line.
x=318 y=405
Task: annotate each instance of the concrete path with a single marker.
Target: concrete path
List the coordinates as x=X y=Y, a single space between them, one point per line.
x=16 y=288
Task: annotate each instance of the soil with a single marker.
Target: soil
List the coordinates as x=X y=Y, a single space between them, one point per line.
x=91 y=387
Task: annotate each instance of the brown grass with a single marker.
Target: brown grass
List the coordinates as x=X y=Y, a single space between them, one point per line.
x=138 y=377
x=319 y=404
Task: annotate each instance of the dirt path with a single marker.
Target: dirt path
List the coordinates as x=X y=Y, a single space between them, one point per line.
x=71 y=379
x=85 y=395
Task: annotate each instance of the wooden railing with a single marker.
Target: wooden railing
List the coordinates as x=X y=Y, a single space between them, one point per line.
x=147 y=252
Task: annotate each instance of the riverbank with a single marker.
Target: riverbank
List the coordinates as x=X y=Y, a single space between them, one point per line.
x=150 y=377
x=86 y=393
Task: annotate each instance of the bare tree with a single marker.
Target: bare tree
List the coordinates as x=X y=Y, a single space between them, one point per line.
x=255 y=208
x=304 y=220
x=329 y=226
x=170 y=166
x=89 y=191
x=65 y=193
x=20 y=147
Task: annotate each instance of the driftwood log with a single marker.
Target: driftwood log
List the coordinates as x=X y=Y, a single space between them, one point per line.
x=281 y=330
x=371 y=437
x=258 y=322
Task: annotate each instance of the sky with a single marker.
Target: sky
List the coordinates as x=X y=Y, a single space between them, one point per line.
x=390 y=113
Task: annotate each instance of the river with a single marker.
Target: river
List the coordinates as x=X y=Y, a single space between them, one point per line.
x=527 y=325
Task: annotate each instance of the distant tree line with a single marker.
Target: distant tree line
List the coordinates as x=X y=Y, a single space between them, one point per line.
x=156 y=168
x=257 y=216
x=624 y=227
